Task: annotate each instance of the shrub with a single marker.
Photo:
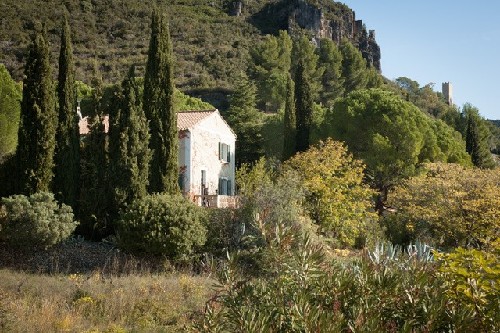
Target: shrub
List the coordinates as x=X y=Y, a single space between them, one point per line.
x=36 y=220
x=162 y=224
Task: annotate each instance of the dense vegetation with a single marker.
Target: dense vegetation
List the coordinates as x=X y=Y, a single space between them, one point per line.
x=332 y=159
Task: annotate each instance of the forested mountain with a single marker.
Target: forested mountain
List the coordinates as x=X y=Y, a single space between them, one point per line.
x=211 y=38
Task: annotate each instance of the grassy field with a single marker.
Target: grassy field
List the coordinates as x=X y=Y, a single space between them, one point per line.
x=93 y=302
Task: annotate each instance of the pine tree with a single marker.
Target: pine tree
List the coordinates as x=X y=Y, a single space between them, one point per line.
x=246 y=121
x=67 y=159
x=289 y=121
x=476 y=139
x=354 y=69
x=36 y=136
x=332 y=81
x=159 y=109
x=131 y=155
x=303 y=107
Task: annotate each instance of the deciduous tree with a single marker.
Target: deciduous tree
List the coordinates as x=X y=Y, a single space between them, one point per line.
x=448 y=205
x=336 y=197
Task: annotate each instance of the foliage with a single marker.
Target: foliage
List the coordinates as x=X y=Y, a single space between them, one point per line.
x=246 y=121
x=159 y=108
x=354 y=67
x=390 y=135
x=300 y=291
x=336 y=197
x=36 y=220
x=94 y=201
x=185 y=102
x=332 y=81
x=477 y=137
x=270 y=65
x=37 y=128
x=10 y=108
x=447 y=205
x=289 y=121
x=66 y=158
x=162 y=224
x=304 y=105
x=472 y=279
x=130 y=154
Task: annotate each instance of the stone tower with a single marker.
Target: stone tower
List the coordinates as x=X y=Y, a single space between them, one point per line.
x=447 y=90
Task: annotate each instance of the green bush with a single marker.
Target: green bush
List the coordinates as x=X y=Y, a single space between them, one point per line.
x=391 y=289
x=36 y=220
x=162 y=224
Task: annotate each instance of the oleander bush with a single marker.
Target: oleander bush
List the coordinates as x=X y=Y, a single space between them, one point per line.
x=36 y=220
x=388 y=289
x=162 y=224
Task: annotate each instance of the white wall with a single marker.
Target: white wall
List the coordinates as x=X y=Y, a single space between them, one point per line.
x=204 y=140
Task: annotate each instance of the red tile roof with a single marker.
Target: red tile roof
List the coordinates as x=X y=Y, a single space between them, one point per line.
x=188 y=119
x=185 y=120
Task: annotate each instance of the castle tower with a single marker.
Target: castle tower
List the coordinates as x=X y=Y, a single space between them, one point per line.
x=447 y=90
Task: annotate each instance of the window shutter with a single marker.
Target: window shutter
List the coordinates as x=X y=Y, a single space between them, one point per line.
x=220 y=186
x=228 y=153
x=220 y=151
x=229 y=188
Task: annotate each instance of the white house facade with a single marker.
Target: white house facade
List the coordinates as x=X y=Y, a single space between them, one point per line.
x=206 y=158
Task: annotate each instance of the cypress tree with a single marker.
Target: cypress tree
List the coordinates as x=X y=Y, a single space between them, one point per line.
x=159 y=109
x=67 y=159
x=289 y=121
x=36 y=136
x=94 y=198
x=476 y=139
x=131 y=154
x=303 y=107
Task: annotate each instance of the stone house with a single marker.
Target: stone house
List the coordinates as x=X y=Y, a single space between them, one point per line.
x=206 y=157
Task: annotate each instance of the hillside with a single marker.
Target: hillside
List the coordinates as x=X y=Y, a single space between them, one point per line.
x=211 y=39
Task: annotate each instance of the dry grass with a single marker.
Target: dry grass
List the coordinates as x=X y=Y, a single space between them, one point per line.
x=97 y=303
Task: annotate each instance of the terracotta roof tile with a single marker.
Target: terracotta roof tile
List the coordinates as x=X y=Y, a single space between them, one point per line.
x=188 y=119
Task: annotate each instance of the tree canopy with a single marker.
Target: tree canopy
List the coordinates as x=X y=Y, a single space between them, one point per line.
x=390 y=135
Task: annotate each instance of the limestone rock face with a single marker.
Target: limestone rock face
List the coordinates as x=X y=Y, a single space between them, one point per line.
x=324 y=19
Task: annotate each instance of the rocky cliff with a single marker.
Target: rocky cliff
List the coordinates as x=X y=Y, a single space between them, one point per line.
x=323 y=18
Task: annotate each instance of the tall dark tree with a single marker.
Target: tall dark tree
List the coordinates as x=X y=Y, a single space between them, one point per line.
x=130 y=157
x=67 y=155
x=304 y=105
x=37 y=128
x=476 y=138
x=159 y=109
x=246 y=121
x=94 y=190
x=289 y=121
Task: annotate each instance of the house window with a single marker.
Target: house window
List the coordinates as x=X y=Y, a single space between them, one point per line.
x=204 y=188
x=225 y=186
x=224 y=152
